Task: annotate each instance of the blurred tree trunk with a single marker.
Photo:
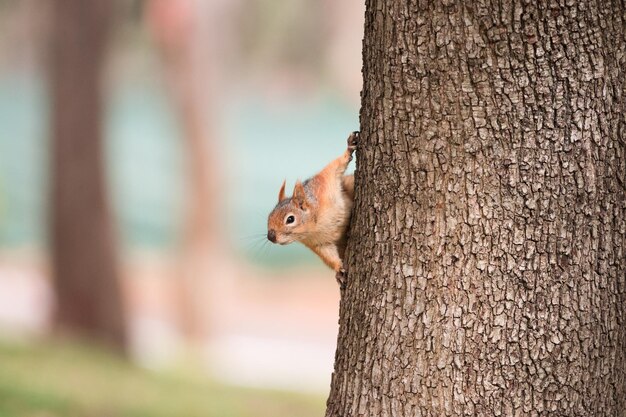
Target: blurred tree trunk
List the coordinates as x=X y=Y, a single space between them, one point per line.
x=487 y=261
x=89 y=300
x=186 y=33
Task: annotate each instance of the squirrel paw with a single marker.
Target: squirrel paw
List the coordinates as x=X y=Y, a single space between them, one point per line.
x=341 y=276
x=353 y=140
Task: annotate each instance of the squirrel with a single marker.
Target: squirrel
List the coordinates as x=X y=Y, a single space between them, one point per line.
x=318 y=213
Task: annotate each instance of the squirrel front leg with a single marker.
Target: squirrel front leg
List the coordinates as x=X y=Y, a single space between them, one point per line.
x=347 y=155
x=338 y=167
x=330 y=255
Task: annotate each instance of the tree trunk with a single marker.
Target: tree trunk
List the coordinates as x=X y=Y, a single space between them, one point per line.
x=487 y=259
x=185 y=33
x=84 y=261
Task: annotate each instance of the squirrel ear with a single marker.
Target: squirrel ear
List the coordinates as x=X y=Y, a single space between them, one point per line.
x=299 y=195
x=281 y=193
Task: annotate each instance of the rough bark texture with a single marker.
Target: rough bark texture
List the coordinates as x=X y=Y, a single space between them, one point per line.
x=487 y=260
x=84 y=262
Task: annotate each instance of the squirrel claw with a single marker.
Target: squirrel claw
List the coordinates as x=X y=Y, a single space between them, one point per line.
x=340 y=276
x=353 y=140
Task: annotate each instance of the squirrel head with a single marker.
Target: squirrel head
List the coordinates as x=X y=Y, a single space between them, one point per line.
x=290 y=220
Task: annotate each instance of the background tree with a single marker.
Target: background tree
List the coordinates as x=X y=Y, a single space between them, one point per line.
x=487 y=262
x=191 y=37
x=84 y=261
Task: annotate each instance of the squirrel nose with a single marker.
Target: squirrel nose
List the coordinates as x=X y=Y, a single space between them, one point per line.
x=271 y=236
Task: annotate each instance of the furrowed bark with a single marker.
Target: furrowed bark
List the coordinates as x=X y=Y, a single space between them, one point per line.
x=487 y=258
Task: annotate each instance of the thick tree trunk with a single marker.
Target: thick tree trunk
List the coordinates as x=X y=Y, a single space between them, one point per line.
x=85 y=275
x=487 y=262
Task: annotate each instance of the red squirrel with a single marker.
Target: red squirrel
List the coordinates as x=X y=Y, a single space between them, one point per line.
x=318 y=212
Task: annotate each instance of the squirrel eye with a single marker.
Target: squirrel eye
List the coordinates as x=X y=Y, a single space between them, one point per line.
x=290 y=220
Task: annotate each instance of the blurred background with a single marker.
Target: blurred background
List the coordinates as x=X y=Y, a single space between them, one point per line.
x=142 y=145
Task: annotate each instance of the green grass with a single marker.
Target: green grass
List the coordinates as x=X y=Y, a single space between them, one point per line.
x=67 y=380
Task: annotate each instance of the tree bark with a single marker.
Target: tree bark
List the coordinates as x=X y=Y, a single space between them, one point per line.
x=84 y=260
x=487 y=258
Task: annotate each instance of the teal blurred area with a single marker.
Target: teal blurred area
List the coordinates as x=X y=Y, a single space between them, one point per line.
x=268 y=141
x=23 y=160
x=145 y=167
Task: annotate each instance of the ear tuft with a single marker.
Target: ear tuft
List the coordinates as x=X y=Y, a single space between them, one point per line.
x=299 y=196
x=281 y=193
